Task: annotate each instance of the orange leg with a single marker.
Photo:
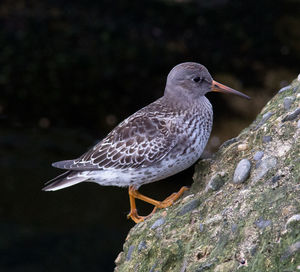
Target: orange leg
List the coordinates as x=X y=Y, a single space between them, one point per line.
x=133 y=194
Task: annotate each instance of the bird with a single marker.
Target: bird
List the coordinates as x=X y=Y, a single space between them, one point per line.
x=158 y=141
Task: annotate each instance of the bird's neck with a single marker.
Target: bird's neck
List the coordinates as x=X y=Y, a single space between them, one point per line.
x=179 y=101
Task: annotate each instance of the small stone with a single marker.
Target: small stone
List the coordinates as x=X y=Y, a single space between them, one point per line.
x=258 y=155
x=265 y=117
x=142 y=245
x=294 y=218
x=234 y=228
x=290 y=251
x=157 y=223
x=129 y=253
x=284 y=89
x=242 y=171
x=267 y=139
x=201 y=227
x=242 y=147
x=264 y=167
x=275 y=179
x=189 y=207
x=291 y=116
x=298 y=124
x=287 y=102
x=262 y=224
x=216 y=182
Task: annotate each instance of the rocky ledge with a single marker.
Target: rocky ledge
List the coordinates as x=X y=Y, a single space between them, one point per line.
x=242 y=212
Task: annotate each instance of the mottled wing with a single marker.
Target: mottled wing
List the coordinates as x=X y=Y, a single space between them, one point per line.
x=137 y=142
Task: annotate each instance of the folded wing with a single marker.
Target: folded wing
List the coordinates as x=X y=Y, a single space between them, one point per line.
x=137 y=142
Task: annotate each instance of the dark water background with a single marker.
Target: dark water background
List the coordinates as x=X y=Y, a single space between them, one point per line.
x=71 y=70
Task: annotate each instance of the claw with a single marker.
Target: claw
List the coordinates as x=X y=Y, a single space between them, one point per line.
x=133 y=194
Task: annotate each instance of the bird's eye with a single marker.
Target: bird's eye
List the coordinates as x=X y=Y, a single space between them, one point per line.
x=196 y=79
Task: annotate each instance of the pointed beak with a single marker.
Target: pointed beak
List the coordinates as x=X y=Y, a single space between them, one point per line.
x=218 y=87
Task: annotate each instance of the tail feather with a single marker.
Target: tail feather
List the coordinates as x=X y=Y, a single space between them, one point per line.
x=64 y=180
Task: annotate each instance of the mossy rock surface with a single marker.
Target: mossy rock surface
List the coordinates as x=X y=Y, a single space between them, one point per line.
x=219 y=225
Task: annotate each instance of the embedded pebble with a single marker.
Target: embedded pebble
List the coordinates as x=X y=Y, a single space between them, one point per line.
x=290 y=251
x=242 y=147
x=295 y=217
x=264 y=167
x=258 y=155
x=262 y=224
x=291 y=116
x=129 y=253
x=267 y=139
x=189 y=207
x=275 y=179
x=157 y=223
x=284 y=88
x=142 y=245
x=234 y=228
x=287 y=102
x=298 y=124
x=216 y=182
x=265 y=117
x=201 y=227
x=242 y=171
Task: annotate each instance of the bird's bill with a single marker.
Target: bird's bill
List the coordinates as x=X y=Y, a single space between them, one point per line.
x=218 y=87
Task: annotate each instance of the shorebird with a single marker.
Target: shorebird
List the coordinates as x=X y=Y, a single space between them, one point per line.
x=156 y=142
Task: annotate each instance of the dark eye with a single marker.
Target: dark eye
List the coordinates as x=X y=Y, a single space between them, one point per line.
x=197 y=79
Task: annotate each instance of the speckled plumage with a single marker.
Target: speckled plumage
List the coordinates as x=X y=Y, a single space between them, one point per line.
x=157 y=141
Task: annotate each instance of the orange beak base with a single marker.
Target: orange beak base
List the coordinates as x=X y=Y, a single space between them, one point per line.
x=218 y=87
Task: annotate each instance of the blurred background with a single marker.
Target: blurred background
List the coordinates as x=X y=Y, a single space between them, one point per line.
x=72 y=70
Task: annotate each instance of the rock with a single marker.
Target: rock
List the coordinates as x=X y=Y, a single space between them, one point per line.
x=264 y=167
x=294 y=218
x=287 y=102
x=262 y=224
x=129 y=253
x=157 y=223
x=242 y=171
x=142 y=245
x=258 y=155
x=285 y=89
x=250 y=227
x=264 y=119
x=242 y=147
x=216 y=182
x=291 y=116
x=189 y=207
x=267 y=139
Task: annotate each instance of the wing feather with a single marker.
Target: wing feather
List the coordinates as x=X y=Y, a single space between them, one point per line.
x=138 y=141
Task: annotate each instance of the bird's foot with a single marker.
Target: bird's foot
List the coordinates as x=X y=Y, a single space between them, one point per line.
x=133 y=194
x=172 y=198
x=137 y=218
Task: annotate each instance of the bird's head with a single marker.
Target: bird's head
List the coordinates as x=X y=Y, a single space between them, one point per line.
x=192 y=80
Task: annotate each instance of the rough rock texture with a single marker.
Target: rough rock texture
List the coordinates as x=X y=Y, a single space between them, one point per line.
x=221 y=226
